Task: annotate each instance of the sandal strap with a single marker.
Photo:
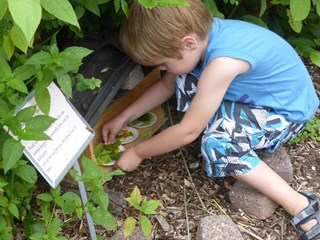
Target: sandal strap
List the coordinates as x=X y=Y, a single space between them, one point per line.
x=313 y=206
x=315 y=230
x=311 y=212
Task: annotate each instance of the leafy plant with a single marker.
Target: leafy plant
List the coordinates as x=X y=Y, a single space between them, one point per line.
x=98 y=201
x=311 y=131
x=144 y=208
x=49 y=225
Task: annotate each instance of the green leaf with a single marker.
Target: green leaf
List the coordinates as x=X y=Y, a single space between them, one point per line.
x=40 y=58
x=27 y=173
x=263 y=7
x=299 y=9
x=43 y=100
x=26 y=114
x=14 y=210
x=3 y=8
x=14 y=125
x=148 y=3
x=79 y=10
x=117 y=5
x=254 y=20
x=90 y=168
x=103 y=218
x=8 y=46
x=19 y=39
x=62 y=10
x=91 y=83
x=125 y=8
x=27 y=15
x=5 y=70
x=93 y=7
x=18 y=85
x=24 y=72
x=101 y=198
x=211 y=5
x=295 y=25
x=71 y=58
x=2 y=184
x=69 y=202
x=35 y=135
x=11 y=152
x=129 y=226
x=135 y=198
x=318 y=8
x=315 y=57
x=136 y=194
x=79 y=212
x=54 y=227
x=74 y=174
x=46 y=197
x=64 y=82
x=40 y=123
x=45 y=78
x=3 y=201
x=70 y=196
x=166 y=3
x=4 y=109
x=2 y=87
x=61 y=238
x=145 y=225
x=149 y=207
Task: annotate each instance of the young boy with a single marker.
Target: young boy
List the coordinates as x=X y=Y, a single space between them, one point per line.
x=241 y=85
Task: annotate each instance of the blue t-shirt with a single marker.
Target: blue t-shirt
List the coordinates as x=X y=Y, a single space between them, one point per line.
x=277 y=77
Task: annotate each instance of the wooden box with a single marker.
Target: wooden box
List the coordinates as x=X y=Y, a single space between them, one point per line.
x=119 y=105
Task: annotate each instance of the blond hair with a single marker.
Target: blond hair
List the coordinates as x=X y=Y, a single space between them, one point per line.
x=149 y=35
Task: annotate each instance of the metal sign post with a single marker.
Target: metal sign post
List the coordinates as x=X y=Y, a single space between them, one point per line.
x=84 y=198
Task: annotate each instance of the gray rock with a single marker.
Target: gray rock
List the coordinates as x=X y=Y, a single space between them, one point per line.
x=279 y=161
x=218 y=227
x=116 y=200
x=253 y=202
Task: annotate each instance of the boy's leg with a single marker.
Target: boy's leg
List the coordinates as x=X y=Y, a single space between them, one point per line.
x=228 y=146
x=265 y=180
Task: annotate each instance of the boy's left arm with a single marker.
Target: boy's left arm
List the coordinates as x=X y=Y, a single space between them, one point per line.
x=211 y=88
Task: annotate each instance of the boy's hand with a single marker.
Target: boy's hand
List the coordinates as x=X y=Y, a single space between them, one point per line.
x=110 y=130
x=129 y=160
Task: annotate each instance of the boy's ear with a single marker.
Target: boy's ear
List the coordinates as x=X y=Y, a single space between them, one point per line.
x=189 y=42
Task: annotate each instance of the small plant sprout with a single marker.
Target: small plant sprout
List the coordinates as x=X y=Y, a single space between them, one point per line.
x=144 y=208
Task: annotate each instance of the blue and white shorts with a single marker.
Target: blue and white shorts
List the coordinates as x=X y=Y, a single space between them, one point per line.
x=235 y=131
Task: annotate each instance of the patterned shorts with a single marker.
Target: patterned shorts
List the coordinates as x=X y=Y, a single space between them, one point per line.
x=235 y=131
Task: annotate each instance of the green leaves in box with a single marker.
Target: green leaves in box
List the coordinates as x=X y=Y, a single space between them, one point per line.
x=106 y=153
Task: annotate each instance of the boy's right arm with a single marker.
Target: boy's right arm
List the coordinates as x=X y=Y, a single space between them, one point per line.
x=158 y=93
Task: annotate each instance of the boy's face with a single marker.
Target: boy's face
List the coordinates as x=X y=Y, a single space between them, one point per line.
x=192 y=54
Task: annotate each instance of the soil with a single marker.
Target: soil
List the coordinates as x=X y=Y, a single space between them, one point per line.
x=186 y=194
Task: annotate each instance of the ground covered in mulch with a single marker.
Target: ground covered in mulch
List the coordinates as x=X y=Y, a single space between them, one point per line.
x=186 y=194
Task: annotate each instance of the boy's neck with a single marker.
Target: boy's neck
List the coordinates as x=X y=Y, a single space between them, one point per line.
x=203 y=46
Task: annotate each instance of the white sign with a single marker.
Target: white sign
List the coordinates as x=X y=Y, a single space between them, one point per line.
x=70 y=136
